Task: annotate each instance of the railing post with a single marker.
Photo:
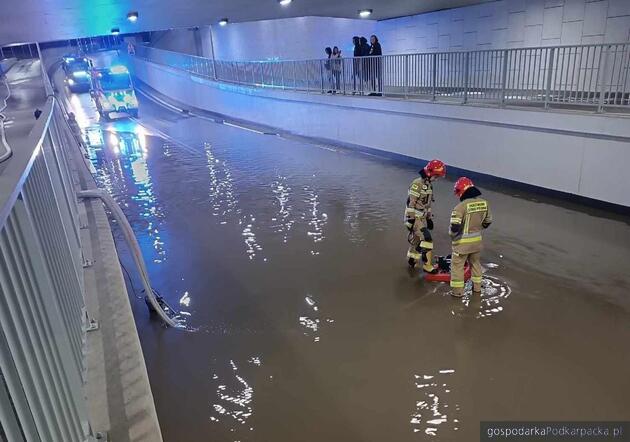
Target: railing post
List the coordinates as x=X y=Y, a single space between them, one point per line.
x=602 y=83
x=281 y=73
x=549 y=77
x=406 y=85
x=293 y=63
x=504 y=74
x=434 y=75
x=272 y=76
x=321 y=73
x=466 y=76
x=343 y=74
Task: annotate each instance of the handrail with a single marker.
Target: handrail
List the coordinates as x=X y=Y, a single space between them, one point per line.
x=7 y=149
x=390 y=55
x=13 y=178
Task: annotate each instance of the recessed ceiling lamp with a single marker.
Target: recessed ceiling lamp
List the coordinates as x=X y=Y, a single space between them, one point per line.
x=223 y=22
x=365 y=13
x=284 y=2
x=132 y=17
x=115 y=31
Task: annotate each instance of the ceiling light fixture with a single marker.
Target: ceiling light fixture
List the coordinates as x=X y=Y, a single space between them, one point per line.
x=223 y=22
x=132 y=17
x=284 y=2
x=365 y=13
x=115 y=31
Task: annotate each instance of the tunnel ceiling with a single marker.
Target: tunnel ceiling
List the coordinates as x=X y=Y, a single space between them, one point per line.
x=48 y=20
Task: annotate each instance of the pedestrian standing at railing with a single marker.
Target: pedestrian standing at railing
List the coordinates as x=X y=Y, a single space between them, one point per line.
x=328 y=70
x=376 y=66
x=356 y=65
x=335 y=61
x=365 y=63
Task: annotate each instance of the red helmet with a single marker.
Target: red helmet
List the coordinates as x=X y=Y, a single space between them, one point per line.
x=462 y=185
x=435 y=168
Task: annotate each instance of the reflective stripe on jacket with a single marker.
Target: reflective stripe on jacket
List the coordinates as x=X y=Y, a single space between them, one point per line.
x=471 y=215
x=420 y=197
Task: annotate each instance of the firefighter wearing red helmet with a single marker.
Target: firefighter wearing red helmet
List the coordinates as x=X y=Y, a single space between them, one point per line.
x=468 y=219
x=418 y=215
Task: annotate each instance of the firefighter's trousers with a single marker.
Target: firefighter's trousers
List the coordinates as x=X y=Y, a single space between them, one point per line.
x=458 y=262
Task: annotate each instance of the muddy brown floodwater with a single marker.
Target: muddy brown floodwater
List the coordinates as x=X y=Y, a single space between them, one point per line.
x=287 y=260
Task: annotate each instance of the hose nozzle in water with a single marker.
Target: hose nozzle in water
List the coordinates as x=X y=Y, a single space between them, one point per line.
x=156 y=303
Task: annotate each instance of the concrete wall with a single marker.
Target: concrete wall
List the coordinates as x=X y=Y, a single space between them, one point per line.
x=287 y=39
x=187 y=41
x=552 y=150
x=509 y=24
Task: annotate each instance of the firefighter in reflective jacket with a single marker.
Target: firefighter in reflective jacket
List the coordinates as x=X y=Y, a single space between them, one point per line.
x=468 y=219
x=418 y=215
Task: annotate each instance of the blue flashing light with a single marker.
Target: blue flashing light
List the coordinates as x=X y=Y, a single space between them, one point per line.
x=68 y=59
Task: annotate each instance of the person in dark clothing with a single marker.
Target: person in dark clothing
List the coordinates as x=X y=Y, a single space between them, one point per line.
x=365 y=63
x=375 y=46
x=376 y=66
x=356 y=64
x=356 y=41
x=365 y=47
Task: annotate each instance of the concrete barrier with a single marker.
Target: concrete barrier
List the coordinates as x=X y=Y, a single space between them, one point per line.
x=581 y=154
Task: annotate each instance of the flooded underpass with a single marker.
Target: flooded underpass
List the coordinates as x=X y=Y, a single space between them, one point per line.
x=287 y=261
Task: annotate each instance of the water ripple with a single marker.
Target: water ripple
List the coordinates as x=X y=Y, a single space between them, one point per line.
x=233 y=404
x=283 y=222
x=313 y=321
x=316 y=219
x=434 y=410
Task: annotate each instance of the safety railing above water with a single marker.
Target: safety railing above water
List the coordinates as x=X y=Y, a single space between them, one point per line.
x=43 y=315
x=595 y=76
x=43 y=319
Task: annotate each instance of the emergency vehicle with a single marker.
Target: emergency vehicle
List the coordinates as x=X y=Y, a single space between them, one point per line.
x=113 y=92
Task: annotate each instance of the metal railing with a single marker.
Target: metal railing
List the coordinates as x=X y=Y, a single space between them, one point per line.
x=18 y=51
x=583 y=75
x=43 y=319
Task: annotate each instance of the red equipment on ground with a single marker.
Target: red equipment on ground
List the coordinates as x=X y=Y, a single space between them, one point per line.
x=443 y=274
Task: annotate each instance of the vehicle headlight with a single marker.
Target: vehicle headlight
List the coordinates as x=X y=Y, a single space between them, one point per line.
x=70 y=81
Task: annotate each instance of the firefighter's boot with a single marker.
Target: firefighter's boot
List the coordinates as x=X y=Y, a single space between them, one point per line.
x=427 y=261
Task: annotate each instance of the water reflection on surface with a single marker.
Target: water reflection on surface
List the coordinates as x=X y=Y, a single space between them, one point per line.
x=221 y=195
x=233 y=405
x=313 y=321
x=276 y=238
x=122 y=170
x=435 y=411
x=315 y=218
x=283 y=221
x=493 y=299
